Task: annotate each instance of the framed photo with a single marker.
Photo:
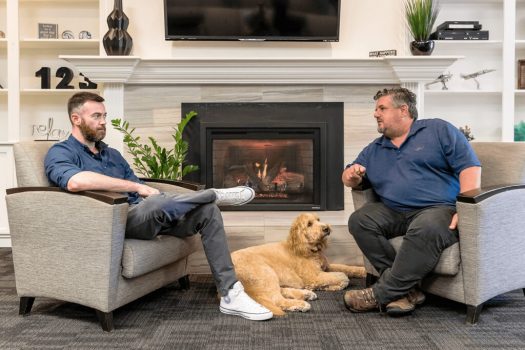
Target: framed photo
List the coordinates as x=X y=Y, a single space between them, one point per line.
x=47 y=31
x=521 y=74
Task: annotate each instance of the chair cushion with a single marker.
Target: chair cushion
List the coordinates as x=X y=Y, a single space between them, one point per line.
x=143 y=256
x=449 y=262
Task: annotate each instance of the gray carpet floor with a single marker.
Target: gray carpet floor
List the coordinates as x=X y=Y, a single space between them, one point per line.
x=171 y=318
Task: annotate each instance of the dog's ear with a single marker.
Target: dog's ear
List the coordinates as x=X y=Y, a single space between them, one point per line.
x=296 y=238
x=295 y=230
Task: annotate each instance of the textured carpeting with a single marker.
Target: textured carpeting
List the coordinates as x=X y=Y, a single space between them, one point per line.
x=173 y=319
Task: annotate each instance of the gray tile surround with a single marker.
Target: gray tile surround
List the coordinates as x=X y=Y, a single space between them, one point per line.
x=155 y=109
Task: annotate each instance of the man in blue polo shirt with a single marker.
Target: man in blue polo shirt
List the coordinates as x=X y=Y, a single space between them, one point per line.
x=417 y=168
x=83 y=162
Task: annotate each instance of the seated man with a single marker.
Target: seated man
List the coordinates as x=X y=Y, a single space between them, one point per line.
x=417 y=168
x=83 y=162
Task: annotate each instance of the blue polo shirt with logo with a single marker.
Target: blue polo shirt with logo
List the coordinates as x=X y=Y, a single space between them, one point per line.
x=69 y=157
x=424 y=171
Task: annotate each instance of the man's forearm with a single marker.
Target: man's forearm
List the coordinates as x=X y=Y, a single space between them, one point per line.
x=88 y=180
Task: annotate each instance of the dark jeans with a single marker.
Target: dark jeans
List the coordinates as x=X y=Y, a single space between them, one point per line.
x=184 y=215
x=426 y=235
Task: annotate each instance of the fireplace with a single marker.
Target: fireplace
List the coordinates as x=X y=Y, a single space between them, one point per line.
x=291 y=154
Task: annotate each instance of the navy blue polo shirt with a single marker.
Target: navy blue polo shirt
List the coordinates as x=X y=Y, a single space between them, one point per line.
x=69 y=157
x=424 y=171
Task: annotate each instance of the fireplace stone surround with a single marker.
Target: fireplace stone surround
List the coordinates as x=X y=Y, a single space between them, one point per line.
x=149 y=93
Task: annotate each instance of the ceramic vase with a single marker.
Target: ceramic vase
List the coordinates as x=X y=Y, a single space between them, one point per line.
x=422 y=48
x=117 y=41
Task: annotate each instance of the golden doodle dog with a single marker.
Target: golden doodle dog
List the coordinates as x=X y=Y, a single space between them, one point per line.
x=281 y=276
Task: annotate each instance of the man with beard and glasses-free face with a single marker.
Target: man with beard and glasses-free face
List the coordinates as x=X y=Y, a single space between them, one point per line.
x=417 y=169
x=83 y=162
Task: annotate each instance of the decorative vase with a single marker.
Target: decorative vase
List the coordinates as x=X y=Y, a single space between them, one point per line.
x=117 y=41
x=422 y=48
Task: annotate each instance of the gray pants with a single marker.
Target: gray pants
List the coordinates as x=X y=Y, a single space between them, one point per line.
x=426 y=235
x=184 y=215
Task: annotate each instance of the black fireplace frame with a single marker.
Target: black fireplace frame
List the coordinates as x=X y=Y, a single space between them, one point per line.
x=327 y=117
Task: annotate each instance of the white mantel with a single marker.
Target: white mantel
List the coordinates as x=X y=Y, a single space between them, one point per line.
x=387 y=70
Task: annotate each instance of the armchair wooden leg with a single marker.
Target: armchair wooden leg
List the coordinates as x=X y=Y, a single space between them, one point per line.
x=184 y=282
x=106 y=320
x=26 y=303
x=473 y=313
x=370 y=280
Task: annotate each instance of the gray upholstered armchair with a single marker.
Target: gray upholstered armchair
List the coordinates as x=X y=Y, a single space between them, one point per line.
x=71 y=247
x=490 y=257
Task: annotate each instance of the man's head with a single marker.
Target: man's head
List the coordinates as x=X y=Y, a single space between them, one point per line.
x=87 y=114
x=395 y=111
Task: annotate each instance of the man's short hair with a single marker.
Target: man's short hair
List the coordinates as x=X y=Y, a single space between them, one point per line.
x=400 y=96
x=76 y=101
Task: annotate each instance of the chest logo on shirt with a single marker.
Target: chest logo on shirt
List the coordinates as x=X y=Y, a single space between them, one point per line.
x=419 y=148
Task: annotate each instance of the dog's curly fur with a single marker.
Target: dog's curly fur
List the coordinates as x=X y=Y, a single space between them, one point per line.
x=281 y=276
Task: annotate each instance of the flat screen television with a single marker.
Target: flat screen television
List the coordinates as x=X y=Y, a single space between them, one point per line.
x=252 y=20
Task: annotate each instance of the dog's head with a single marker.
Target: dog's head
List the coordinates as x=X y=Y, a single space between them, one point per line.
x=308 y=235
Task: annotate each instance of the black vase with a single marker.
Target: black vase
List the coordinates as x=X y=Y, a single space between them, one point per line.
x=422 y=48
x=117 y=41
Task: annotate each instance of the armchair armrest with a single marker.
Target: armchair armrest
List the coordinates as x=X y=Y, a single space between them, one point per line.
x=492 y=243
x=103 y=196
x=479 y=194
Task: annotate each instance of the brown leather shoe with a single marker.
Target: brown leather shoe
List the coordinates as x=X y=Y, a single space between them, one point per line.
x=400 y=307
x=416 y=296
x=406 y=305
x=360 y=300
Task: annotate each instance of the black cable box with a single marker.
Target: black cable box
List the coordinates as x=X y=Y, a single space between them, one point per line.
x=460 y=35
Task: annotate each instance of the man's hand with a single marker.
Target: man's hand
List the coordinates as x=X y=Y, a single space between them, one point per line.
x=146 y=191
x=353 y=175
x=454 y=222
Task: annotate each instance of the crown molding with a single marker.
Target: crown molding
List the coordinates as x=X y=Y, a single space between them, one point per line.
x=181 y=71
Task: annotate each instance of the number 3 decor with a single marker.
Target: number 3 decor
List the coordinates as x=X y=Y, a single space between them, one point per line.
x=44 y=73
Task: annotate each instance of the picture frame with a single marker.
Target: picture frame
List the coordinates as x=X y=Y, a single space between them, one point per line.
x=47 y=31
x=521 y=74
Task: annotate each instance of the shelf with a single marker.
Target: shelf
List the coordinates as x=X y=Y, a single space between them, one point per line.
x=469 y=43
x=473 y=1
x=54 y=91
x=3 y=92
x=59 y=43
x=462 y=92
x=3 y=42
x=520 y=92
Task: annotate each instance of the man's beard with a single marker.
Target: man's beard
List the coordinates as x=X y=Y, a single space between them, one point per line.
x=92 y=135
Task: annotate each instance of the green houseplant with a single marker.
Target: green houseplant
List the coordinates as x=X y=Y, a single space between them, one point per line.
x=155 y=161
x=421 y=16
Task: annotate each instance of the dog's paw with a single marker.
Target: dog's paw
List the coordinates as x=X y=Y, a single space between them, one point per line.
x=297 y=305
x=358 y=272
x=309 y=295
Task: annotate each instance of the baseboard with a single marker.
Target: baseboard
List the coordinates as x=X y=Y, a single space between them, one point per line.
x=5 y=239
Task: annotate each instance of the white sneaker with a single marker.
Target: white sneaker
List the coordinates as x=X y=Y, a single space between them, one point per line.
x=237 y=302
x=234 y=196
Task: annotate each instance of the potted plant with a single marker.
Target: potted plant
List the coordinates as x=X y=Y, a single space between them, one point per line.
x=421 y=16
x=154 y=161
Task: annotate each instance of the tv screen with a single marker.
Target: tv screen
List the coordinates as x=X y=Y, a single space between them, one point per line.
x=272 y=20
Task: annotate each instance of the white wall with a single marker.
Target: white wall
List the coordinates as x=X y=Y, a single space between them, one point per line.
x=365 y=26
